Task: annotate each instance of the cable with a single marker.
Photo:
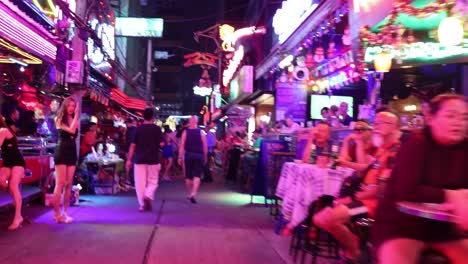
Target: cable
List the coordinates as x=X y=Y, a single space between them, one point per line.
x=204 y=17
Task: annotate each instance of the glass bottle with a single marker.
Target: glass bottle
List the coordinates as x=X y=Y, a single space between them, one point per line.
x=313 y=154
x=334 y=156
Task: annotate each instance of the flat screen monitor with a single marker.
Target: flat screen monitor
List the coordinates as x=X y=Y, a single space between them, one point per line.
x=317 y=102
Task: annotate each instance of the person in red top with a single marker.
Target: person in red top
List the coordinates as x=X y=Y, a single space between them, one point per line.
x=432 y=167
x=364 y=202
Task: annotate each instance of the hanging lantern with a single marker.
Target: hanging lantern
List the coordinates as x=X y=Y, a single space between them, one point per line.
x=383 y=62
x=450 y=31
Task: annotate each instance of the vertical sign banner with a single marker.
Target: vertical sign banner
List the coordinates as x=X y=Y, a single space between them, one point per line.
x=74 y=72
x=291 y=100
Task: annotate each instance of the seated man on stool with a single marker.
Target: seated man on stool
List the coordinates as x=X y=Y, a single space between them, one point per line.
x=364 y=202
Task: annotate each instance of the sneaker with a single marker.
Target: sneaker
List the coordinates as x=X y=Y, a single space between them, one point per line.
x=192 y=200
x=141 y=208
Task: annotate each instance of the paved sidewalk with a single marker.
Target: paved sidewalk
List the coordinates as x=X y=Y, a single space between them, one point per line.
x=222 y=228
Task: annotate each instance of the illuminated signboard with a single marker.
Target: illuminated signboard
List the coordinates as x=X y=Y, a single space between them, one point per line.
x=202 y=91
x=233 y=65
x=290 y=16
x=229 y=35
x=139 y=27
x=423 y=51
x=52 y=10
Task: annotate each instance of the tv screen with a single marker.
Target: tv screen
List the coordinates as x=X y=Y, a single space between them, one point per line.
x=317 y=102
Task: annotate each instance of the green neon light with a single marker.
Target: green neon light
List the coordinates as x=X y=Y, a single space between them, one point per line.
x=419 y=51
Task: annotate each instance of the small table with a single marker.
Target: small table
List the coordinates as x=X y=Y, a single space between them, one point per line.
x=426 y=210
x=107 y=166
x=300 y=184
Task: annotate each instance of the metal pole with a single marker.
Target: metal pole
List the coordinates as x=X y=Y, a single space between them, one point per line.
x=149 y=65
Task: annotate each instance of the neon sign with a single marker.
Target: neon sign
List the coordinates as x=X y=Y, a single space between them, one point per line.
x=230 y=36
x=52 y=10
x=202 y=91
x=20 y=34
x=364 y=5
x=417 y=51
x=336 y=80
x=233 y=65
x=290 y=16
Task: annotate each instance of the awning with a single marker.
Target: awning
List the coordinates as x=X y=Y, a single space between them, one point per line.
x=124 y=100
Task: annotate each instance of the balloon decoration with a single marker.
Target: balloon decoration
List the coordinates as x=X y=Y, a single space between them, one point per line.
x=391 y=33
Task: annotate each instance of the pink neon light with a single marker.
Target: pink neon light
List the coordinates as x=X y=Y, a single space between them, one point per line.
x=19 y=31
x=13 y=30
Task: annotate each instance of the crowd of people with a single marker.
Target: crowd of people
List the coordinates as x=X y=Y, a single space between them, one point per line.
x=427 y=166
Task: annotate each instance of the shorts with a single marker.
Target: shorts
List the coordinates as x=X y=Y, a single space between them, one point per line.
x=194 y=165
x=167 y=151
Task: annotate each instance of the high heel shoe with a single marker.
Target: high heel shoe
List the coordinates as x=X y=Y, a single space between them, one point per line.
x=59 y=219
x=16 y=224
x=68 y=219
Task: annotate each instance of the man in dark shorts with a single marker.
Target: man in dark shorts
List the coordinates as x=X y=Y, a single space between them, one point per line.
x=144 y=151
x=363 y=202
x=193 y=152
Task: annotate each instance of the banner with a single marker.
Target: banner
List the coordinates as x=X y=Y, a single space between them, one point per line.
x=291 y=100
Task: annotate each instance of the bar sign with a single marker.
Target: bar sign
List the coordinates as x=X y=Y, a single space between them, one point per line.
x=74 y=73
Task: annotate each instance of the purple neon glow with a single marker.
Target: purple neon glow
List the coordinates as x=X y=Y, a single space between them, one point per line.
x=12 y=30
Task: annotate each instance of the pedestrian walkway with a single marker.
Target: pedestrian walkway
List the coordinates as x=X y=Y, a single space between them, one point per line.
x=221 y=228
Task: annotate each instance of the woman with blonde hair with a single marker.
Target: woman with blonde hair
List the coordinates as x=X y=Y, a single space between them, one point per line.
x=65 y=159
x=12 y=170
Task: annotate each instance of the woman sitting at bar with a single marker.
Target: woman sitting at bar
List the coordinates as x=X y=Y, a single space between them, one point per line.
x=431 y=168
x=12 y=170
x=319 y=141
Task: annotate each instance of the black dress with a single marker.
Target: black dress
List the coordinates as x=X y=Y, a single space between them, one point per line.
x=10 y=154
x=65 y=153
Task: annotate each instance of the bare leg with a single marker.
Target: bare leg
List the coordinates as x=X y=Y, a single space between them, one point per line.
x=196 y=185
x=188 y=184
x=333 y=220
x=456 y=251
x=60 y=175
x=67 y=188
x=17 y=173
x=400 y=250
x=167 y=168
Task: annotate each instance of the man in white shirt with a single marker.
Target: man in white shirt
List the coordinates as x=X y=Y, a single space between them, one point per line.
x=291 y=126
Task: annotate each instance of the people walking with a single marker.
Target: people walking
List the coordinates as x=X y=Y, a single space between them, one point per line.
x=12 y=170
x=144 y=152
x=193 y=153
x=67 y=122
x=169 y=141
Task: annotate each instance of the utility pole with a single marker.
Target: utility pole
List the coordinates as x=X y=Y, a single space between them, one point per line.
x=149 y=68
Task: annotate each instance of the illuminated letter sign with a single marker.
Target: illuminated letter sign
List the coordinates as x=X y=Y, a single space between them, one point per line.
x=290 y=16
x=230 y=37
x=233 y=65
x=422 y=51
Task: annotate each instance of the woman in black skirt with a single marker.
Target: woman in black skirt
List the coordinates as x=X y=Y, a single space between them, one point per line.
x=65 y=159
x=12 y=170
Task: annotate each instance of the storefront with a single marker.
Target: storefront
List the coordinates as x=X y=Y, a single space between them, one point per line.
x=312 y=57
x=412 y=51
x=28 y=53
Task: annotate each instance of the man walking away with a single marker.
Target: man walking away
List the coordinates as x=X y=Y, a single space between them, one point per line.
x=193 y=152
x=144 y=151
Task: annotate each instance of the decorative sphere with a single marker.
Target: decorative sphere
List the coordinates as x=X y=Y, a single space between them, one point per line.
x=450 y=31
x=383 y=62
